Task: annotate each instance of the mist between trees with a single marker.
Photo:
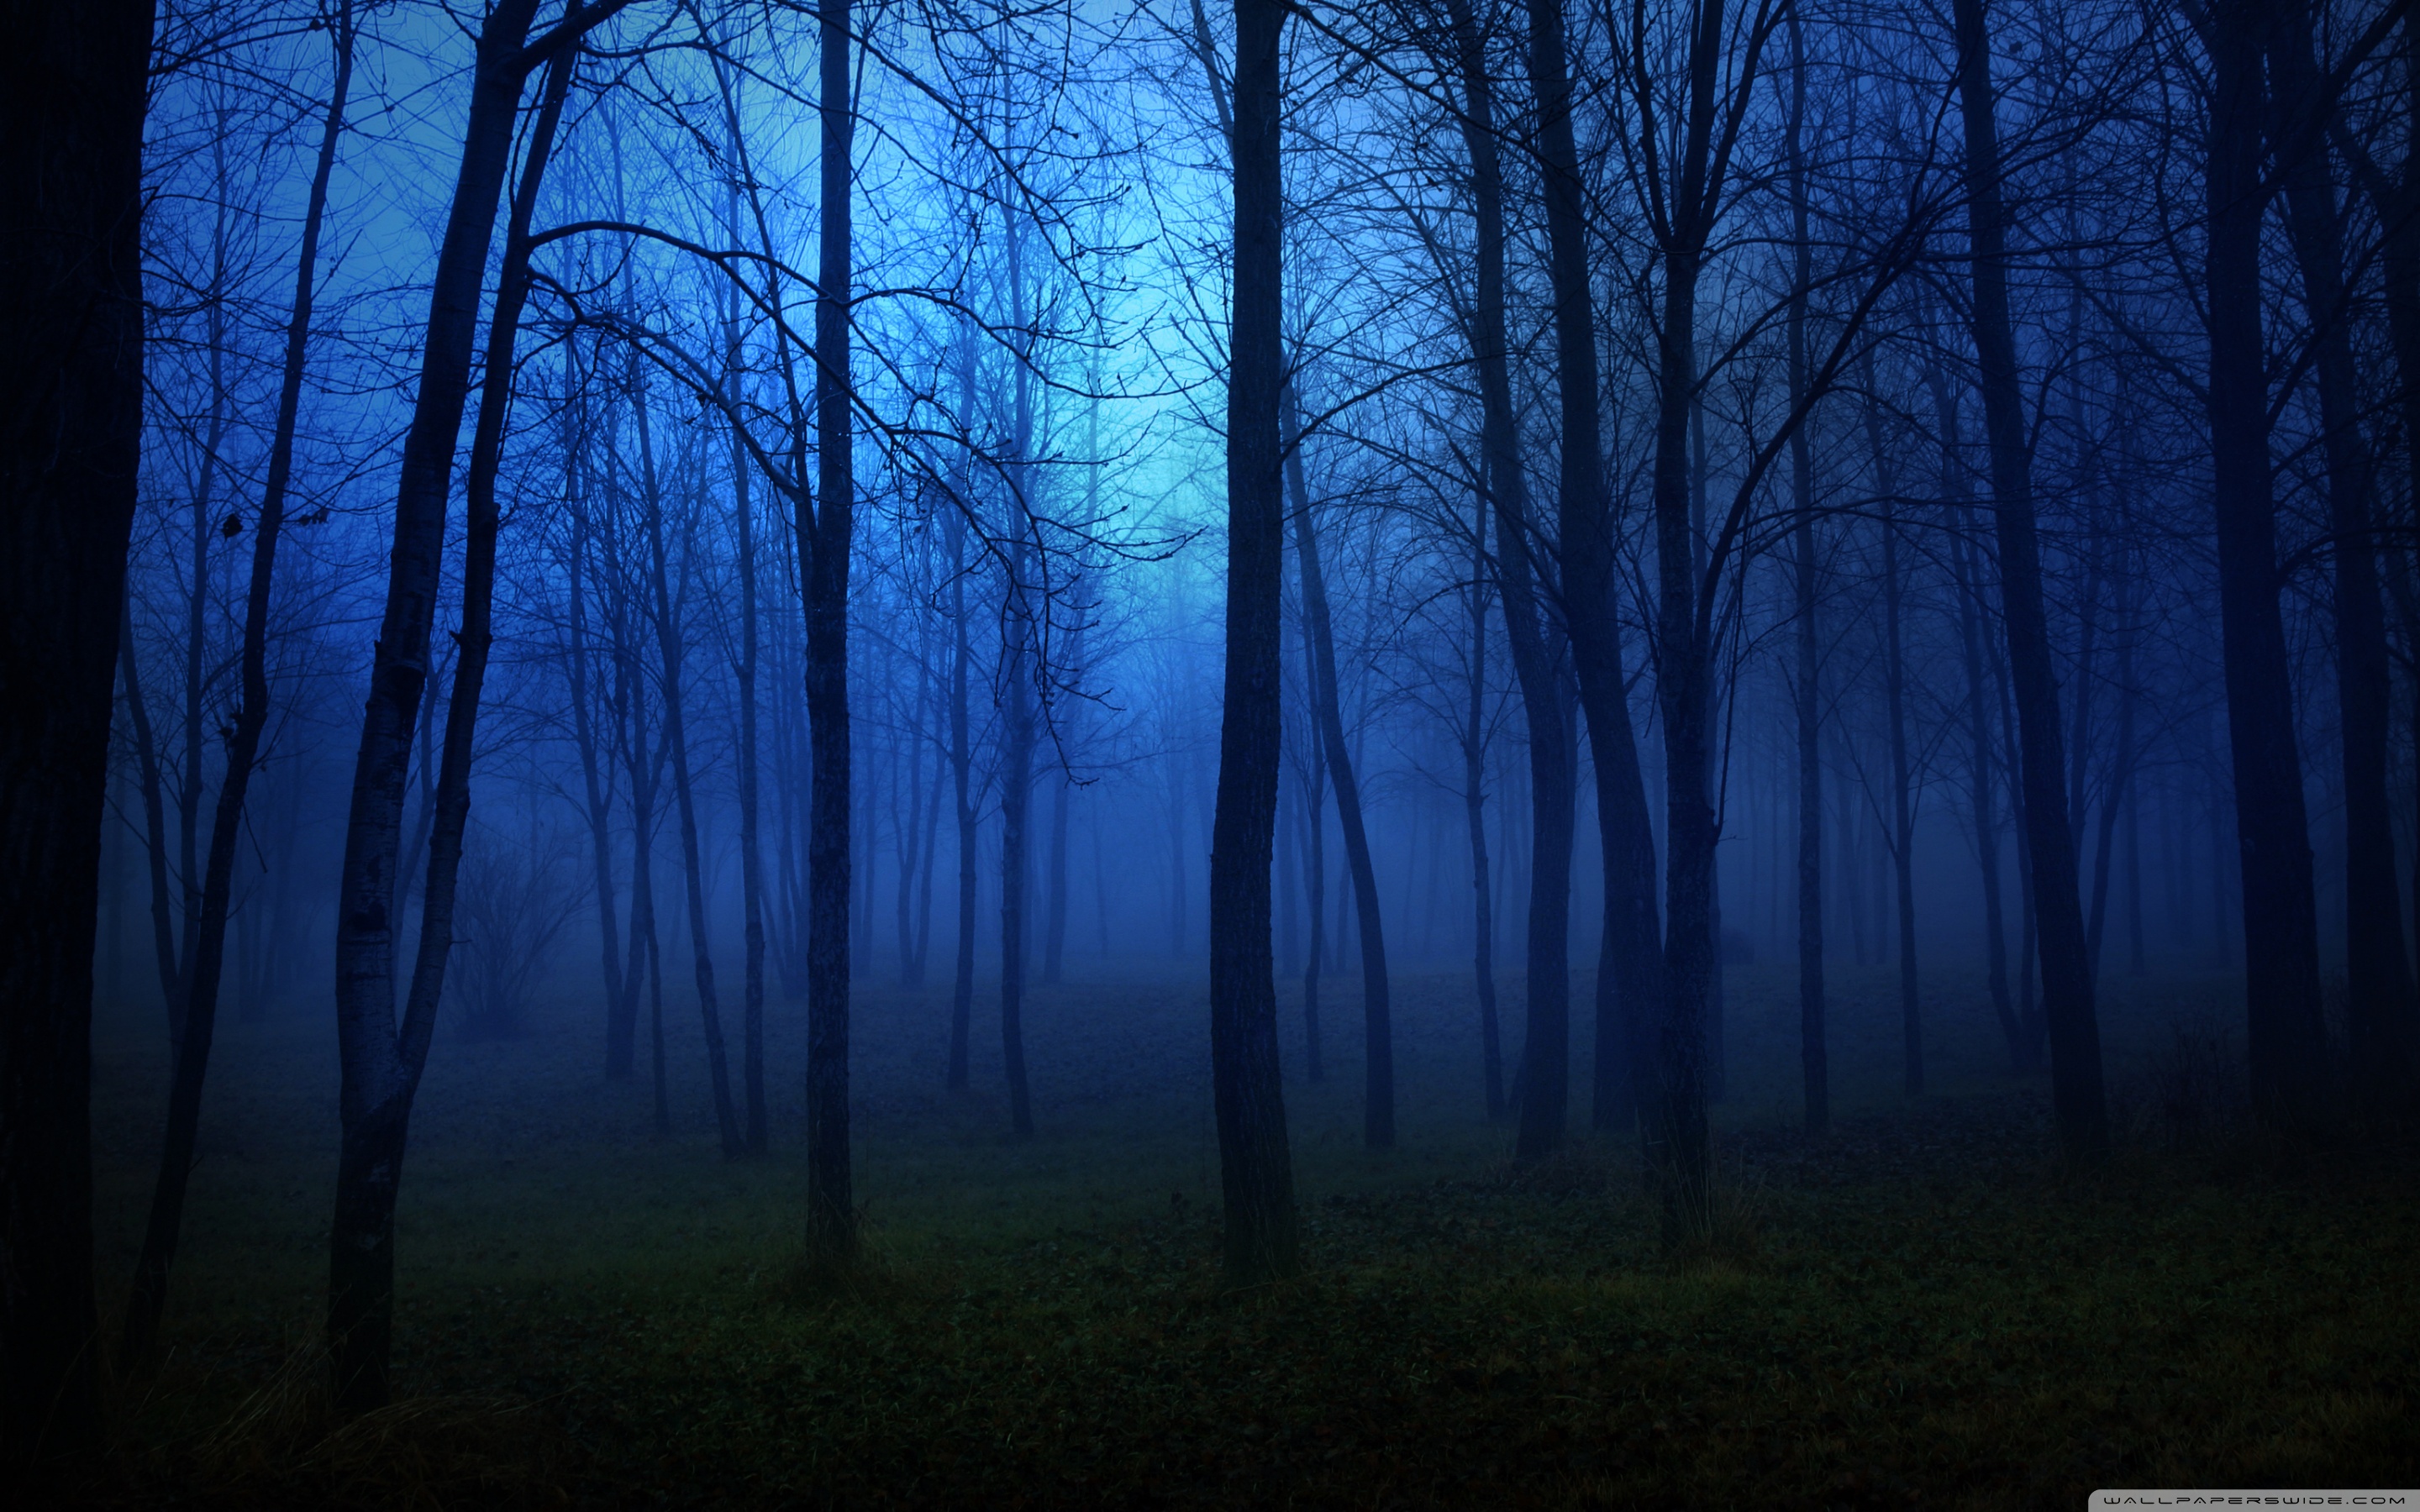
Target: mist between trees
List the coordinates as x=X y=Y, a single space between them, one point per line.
x=673 y=512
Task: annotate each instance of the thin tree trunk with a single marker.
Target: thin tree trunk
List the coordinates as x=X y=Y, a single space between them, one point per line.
x=2068 y=997
x=1631 y=979
x=668 y=641
x=380 y=1060
x=2378 y=979
x=1314 y=800
x=1054 y=935
x=962 y=771
x=200 y=1015
x=598 y=801
x=1377 y=1018
x=1474 y=803
x=751 y=857
x=1532 y=638
x=155 y=825
x=1255 y=1168
x=1814 y=1053
x=1017 y=676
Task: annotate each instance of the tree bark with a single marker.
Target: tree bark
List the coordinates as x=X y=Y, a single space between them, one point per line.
x=962 y=774
x=1631 y=988
x=670 y=658
x=380 y=1060
x=1533 y=637
x=200 y=1017
x=825 y=534
x=1474 y=805
x=1378 y=1017
x=2378 y=979
x=71 y=105
x=2068 y=996
x=2285 y=1038
x=1814 y=1051
x=1255 y=1167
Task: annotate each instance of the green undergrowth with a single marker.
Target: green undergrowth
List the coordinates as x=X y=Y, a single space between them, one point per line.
x=1914 y=1312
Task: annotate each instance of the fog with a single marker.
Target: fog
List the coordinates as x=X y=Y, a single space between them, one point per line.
x=962 y=618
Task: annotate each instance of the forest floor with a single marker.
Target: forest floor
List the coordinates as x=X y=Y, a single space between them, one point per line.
x=1916 y=1311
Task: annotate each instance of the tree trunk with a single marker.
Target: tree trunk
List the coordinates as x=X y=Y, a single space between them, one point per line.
x=825 y=534
x=1902 y=802
x=668 y=642
x=1377 y=1020
x=597 y=798
x=751 y=857
x=1814 y=1053
x=200 y=1014
x=1314 y=802
x=1532 y=639
x=1054 y=930
x=1018 y=645
x=2285 y=1038
x=155 y=825
x=2068 y=997
x=1630 y=989
x=2378 y=979
x=1255 y=1168
x=962 y=774
x=71 y=99
x=380 y=1060
x=1474 y=803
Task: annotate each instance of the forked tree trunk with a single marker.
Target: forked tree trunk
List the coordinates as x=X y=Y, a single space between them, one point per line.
x=381 y=1059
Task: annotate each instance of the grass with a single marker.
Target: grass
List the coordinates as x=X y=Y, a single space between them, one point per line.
x=1914 y=1312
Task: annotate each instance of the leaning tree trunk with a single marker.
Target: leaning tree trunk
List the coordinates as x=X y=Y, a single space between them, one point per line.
x=826 y=538
x=1377 y=1018
x=380 y=1060
x=2067 y=1006
x=1256 y=1172
x=2286 y=1039
x=208 y=953
x=71 y=101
